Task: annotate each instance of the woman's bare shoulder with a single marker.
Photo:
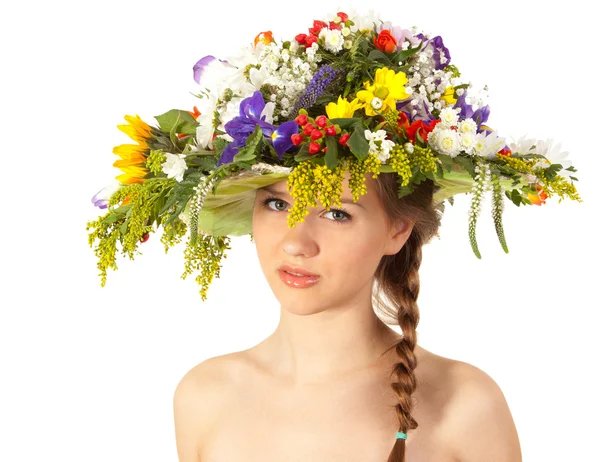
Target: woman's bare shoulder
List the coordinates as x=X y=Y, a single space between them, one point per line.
x=478 y=423
x=197 y=402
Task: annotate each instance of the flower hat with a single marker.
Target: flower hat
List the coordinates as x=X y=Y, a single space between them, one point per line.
x=350 y=94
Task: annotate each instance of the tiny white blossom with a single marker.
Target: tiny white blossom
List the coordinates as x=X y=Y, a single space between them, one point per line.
x=333 y=40
x=376 y=103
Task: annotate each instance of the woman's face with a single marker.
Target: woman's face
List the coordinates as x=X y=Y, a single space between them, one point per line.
x=343 y=248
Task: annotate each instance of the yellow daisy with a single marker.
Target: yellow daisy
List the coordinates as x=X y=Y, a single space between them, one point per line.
x=383 y=93
x=343 y=109
x=133 y=156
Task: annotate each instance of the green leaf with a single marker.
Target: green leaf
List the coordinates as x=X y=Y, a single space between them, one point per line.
x=516 y=197
x=551 y=172
x=248 y=152
x=376 y=55
x=303 y=153
x=405 y=54
x=177 y=119
x=331 y=156
x=358 y=143
x=345 y=123
x=446 y=162
x=466 y=163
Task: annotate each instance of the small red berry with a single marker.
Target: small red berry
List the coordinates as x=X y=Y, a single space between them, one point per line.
x=321 y=121
x=308 y=128
x=297 y=139
x=302 y=120
x=313 y=147
x=344 y=139
x=325 y=149
x=145 y=237
x=316 y=134
x=330 y=130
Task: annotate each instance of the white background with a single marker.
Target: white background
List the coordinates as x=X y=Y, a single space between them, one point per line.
x=88 y=374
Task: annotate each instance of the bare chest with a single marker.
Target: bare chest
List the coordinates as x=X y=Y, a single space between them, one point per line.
x=339 y=422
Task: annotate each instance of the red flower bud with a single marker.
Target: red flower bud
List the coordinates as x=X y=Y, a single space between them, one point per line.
x=343 y=16
x=313 y=147
x=145 y=237
x=385 y=42
x=321 y=121
x=317 y=26
x=297 y=139
x=330 y=130
x=334 y=26
x=316 y=134
x=310 y=40
x=302 y=120
x=308 y=128
x=301 y=39
x=344 y=139
x=505 y=151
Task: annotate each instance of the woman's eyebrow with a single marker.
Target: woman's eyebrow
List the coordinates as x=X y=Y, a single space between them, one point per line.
x=273 y=191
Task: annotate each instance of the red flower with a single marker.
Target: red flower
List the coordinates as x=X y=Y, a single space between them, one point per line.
x=343 y=16
x=302 y=120
x=310 y=40
x=321 y=121
x=297 y=138
x=385 y=42
x=313 y=147
x=308 y=128
x=301 y=39
x=316 y=134
x=420 y=127
x=317 y=26
x=505 y=151
x=330 y=130
x=334 y=26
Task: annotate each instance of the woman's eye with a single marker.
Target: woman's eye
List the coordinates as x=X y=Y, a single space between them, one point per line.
x=340 y=216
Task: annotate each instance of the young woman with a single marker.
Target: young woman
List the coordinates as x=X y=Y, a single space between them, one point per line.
x=333 y=381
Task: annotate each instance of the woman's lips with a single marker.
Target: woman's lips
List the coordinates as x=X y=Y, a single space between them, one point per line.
x=298 y=281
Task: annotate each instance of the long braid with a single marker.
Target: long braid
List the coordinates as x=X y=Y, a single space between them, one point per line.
x=397 y=277
x=408 y=319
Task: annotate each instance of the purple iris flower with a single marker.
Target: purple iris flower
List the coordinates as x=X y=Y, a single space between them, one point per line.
x=241 y=127
x=99 y=201
x=201 y=66
x=407 y=107
x=439 y=50
x=480 y=116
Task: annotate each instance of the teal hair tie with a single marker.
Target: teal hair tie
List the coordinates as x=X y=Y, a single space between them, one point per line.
x=400 y=435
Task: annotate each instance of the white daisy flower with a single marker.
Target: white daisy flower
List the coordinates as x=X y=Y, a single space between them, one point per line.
x=445 y=141
x=449 y=116
x=467 y=126
x=333 y=40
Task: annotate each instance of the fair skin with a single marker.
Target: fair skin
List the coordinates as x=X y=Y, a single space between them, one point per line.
x=318 y=388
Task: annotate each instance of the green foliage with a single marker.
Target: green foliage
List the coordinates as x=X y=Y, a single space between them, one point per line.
x=358 y=144
x=177 y=121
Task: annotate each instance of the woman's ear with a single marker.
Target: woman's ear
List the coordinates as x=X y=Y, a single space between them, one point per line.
x=399 y=234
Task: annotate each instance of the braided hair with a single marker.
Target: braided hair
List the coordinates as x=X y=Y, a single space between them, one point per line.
x=397 y=279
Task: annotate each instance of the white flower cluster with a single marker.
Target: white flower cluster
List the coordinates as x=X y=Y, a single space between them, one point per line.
x=174 y=166
x=288 y=71
x=451 y=137
x=547 y=148
x=378 y=145
x=426 y=84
